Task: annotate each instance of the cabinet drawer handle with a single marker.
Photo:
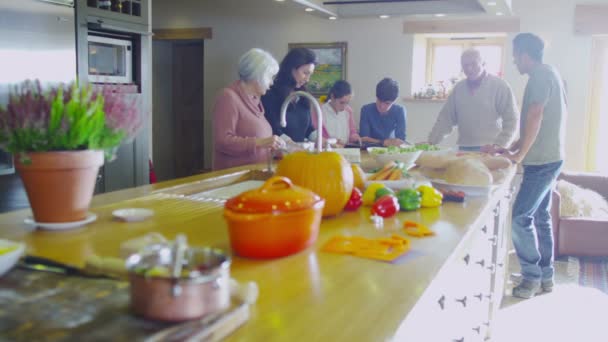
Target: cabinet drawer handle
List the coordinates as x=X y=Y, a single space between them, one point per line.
x=441 y=302
x=491 y=268
x=493 y=240
x=481 y=263
x=477 y=330
x=484 y=229
x=479 y=296
x=463 y=301
x=466 y=259
x=497 y=211
x=487 y=324
x=459 y=340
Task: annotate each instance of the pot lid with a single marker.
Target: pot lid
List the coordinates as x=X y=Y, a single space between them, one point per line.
x=278 y=194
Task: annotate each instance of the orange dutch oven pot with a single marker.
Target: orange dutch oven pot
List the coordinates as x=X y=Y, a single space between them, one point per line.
x=275 y=220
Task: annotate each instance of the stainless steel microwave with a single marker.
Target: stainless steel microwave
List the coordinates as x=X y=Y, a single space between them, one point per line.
x=110 y=60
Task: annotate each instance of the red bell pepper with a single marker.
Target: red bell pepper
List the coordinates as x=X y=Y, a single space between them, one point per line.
x=355 y=200
x=385 y=206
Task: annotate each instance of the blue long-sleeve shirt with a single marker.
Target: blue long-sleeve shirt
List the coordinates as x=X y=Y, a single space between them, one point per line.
x=379 y=126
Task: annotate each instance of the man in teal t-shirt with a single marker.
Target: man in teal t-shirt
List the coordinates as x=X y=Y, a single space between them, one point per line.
x=540 y=149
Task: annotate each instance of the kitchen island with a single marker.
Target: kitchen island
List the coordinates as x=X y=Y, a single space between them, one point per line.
x=446 y=288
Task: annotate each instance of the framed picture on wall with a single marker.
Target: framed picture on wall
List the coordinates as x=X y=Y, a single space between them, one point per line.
x=331 y=65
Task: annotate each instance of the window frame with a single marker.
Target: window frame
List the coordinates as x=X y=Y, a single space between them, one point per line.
x=465 y=43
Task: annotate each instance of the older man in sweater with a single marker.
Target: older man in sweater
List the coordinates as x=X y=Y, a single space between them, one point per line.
x=482 y=107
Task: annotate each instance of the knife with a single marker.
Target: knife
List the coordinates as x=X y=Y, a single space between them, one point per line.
x=35 y=263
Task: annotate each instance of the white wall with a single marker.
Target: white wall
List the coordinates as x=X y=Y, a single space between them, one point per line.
x=376 y=48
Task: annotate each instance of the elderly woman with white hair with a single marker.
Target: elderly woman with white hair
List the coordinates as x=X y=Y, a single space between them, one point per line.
x=242 y=135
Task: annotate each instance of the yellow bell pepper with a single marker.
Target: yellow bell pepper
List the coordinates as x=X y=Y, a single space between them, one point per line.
x=431 y=197
x=369 y=196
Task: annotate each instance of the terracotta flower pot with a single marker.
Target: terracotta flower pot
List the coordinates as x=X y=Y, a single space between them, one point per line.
x=60 y=185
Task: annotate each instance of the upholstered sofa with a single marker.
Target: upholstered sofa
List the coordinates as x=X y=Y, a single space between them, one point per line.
x=580 y=236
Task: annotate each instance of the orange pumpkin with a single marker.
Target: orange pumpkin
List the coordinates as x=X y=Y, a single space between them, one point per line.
x=359 y=177
x=327 y=174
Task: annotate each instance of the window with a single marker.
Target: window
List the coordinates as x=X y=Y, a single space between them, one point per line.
x=443 y=57
x=597 y=158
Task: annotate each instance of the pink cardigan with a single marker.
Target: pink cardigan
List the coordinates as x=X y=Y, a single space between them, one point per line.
x=238 y=120
x=353 y=134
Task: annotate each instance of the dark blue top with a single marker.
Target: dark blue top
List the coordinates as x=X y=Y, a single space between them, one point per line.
x=299 y=123
x=382 y=126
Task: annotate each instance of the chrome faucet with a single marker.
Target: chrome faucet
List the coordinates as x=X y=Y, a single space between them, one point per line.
x=314 y=102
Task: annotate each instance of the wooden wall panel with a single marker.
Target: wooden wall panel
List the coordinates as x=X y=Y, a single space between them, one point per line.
x=462 y=25
x=184 y=33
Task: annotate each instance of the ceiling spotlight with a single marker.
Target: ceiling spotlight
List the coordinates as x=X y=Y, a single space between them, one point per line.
x=439 y=15
x=384 y=16
x=492 y=3
x=279 y=0
x=308 y=9
x=332 y=18
x=499 y=13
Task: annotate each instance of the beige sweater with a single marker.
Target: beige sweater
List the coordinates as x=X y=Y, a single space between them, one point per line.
x=488 y=115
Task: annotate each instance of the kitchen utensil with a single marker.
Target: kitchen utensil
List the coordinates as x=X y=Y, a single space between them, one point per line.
x=275 y=220
x=10 y=252
x=203 y=280
x=214 y=327
x=35 y=263
x=178 y=259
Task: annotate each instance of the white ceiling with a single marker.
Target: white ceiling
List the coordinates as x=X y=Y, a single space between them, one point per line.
x=401 y=8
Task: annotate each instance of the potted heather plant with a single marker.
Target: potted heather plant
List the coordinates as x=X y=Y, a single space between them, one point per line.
x=60 y=137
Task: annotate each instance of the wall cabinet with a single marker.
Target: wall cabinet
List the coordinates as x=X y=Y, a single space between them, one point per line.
x=135 y=11
x=131 y=19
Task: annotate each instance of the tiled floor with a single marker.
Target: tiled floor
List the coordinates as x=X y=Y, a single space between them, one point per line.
x=571 y=313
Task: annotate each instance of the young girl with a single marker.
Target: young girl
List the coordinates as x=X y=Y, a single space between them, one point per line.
x=338 y=122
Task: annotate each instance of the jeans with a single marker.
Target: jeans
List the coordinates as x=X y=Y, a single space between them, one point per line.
x=531 y=224
x=470 y=148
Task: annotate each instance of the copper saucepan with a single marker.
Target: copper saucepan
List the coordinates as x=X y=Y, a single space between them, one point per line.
x=202 y=288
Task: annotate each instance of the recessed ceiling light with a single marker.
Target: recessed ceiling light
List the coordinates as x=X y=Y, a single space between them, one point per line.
x=332 y=18
x=308 y=9
x=280 y=0
x=384 y=16
x=439 y=15
x=492 y=3
x=499 y=13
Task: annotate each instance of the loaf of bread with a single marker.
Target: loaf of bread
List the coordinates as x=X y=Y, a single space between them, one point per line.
x=495 y=162
x=435 y=160
x=468 y=171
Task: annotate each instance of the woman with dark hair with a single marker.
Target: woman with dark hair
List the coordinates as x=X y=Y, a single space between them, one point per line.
x=294 y=72
x=338 y=122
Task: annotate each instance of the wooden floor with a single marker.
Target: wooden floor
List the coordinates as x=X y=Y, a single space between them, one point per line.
x=12 y=193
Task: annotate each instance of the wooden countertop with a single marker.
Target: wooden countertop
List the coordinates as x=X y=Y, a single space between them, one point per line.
x=310 y=296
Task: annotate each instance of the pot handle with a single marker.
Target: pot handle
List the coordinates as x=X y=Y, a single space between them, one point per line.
x=277 y=183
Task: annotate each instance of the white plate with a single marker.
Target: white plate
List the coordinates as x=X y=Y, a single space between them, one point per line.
x=469 y=190
x=62 y=225
x=132 y=214
x=407 y=158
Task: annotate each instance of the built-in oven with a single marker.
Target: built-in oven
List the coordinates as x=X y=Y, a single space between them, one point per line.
x=110 y=58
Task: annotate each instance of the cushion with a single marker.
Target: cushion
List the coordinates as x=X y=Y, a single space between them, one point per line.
x=580 y=202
